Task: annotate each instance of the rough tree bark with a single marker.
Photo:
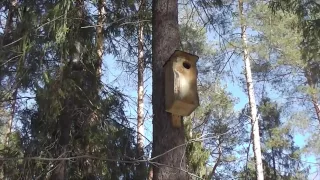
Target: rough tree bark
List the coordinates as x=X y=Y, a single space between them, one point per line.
x=169 y=159
x=140 y=118
x=252 y=102
x=6 y=39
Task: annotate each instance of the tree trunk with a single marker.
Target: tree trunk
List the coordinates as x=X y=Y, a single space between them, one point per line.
x=9 y=23
x=6 y=39
x=141 y=170
x=213 y=171
x=68 y=118
x=314 y=98
x=65 y=121
x=150 y=173
x=100 y=37
x=87 y=166
x=274 y=163
x=252 y=102
x=60 y=169
x=316 y=106
x=169 y=159
x=12 y=114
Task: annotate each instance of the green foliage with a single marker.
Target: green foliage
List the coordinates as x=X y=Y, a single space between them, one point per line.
x=197 y=155
x=282 y=159
x=308 y=21
x=286 y=56
x=12 y=150
x=98 y=125
x=216 y=125
x=281 y=156
x=289 y=63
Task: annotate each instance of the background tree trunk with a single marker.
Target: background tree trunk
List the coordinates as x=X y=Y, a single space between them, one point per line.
x=314 y=98
x=69 y=117
x=166 y=40
x=140 y=119
x=252 y=102
x=216 y=164
x=7 y=38
x=100 y=38
x=14 y=86
x=150 y=173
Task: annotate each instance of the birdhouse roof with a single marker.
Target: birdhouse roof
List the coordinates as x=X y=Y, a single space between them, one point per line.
x=178 y=53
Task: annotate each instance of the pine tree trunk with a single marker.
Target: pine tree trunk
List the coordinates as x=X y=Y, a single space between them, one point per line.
x=252 y=103
x=274 y=163
x=169 y=158
x=6 y=39
x=314 y=98
x=68 y=118
x=60 y=169
x=316 y=106
x=100 y=37
x=12 y=114
x=65 y=122
x=9 y=22
x=140 y=119
x=150 y=173
x=95 y=79
x=213 y=171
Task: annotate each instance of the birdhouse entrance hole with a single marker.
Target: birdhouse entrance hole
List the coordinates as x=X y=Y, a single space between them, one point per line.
x=186 y=65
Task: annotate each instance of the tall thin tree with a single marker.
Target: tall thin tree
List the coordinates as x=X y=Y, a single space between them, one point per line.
x=168 y=150
x=100 y=38
x=252 y=103
x=6 y=38
x=140 y=108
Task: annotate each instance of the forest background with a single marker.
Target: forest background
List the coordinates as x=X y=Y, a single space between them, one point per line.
x=72 y=106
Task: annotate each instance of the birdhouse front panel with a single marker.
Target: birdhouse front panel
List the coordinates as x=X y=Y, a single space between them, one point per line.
x=181 y=84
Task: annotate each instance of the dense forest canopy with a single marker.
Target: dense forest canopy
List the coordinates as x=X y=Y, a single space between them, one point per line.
x=82 y=92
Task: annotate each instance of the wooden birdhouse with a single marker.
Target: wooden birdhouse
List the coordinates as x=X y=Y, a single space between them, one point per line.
x=181 y=94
